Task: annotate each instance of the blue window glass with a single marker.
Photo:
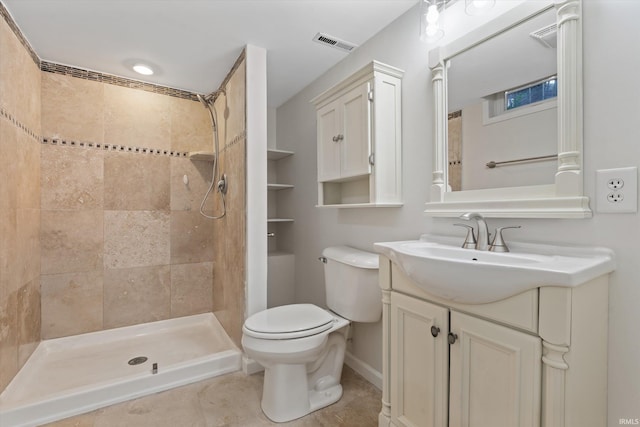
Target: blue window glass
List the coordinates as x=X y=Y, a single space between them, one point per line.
x=540 y=91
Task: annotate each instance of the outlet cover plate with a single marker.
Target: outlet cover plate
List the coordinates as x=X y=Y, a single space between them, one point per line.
x=628 y=202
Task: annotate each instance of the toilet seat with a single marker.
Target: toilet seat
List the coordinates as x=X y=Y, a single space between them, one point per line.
x=288 y=322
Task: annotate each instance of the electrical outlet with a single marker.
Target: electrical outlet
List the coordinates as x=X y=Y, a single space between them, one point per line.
x=617 y=190
x=615 y=183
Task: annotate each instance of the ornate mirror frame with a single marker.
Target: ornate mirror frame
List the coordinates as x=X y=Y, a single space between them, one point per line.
x=562 y=199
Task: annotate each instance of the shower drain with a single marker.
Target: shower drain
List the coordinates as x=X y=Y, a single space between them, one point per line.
x=137 y=360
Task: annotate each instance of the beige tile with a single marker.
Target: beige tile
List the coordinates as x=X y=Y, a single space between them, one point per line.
x=32 y=94
x=235 y=121
x=191 y=237
x=232 y=400
x=28 y=160
x=28 y=320
x=8 y=164
x=136 y=182
x=136 y=238
x=10 y=67
x=136 y=295
x=137 y=118
x=72 y=178
x=190 y=126
x=191 y=288
x=188 y=197
x=72 y=108
x=27 y=245
x=71 y=241
x=71 y=303
x=8 y=336
x=235 y=171
x=8 y=254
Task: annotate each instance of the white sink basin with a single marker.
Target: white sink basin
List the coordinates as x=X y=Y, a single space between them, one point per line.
x=469 y=276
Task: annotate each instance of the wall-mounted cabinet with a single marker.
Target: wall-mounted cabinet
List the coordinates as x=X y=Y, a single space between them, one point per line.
x=360 y=140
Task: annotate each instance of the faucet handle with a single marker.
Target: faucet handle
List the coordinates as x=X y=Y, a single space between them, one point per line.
x=470 y=241
x=498 y=244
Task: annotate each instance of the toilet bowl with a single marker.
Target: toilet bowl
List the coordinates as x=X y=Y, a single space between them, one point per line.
x=302 y=346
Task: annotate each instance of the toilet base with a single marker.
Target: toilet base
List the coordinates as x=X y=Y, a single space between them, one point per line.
x=296 y=403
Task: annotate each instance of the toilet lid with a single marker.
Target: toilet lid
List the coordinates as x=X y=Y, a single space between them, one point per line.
x=289 y=321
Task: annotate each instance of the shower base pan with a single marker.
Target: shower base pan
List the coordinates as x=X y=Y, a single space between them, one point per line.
x=73 y=375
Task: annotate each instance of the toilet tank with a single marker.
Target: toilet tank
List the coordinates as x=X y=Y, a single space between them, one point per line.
x=351 y=283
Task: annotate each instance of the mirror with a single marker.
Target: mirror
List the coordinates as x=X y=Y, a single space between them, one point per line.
x=502 y=109
x=508 y=117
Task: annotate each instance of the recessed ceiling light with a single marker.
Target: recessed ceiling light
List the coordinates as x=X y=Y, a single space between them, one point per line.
x=143 y=69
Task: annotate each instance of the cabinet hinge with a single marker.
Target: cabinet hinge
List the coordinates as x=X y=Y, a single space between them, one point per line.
x=370 y=95
x=371 y=159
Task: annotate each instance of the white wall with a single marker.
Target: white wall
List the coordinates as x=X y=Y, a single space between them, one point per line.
x=611 y=116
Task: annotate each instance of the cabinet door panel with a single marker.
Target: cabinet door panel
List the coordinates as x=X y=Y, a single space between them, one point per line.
x=328 y=124
x=356 y=145
x=418 y=363
x=495 y=375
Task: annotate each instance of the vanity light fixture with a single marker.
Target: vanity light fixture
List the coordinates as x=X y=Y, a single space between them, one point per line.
x=478 y=7
x=145 y=70
x=430 y=20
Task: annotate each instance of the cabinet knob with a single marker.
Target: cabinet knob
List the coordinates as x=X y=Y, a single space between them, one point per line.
x=452 y=338
x=335 y=139
x=340 y=137
x=435 y=331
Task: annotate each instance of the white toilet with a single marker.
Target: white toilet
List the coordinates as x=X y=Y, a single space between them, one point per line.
x=302 y=346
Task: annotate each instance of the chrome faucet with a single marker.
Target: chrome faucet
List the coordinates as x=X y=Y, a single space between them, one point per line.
x=483 y=230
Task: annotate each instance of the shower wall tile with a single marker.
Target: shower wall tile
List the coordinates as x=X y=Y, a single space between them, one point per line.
x=27 y=245
x=136 y=295
x=191 y=288
x=8 y=164
x=71 y=241
x=72 y=178
x=191 y=237
x=136 y=238
x=8 y=337
x=72 y=303
x=136 y=118
x=72 y=108
x=28 y=162
x=191 y=126
x=134 y=183
x=19 y=204
x=188 y=197
x=28 y=319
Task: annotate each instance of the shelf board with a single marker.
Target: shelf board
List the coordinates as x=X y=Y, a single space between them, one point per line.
x=362 y=205
x=275 y=187
x=280 y=220
x=278 y=154
x=202 y=155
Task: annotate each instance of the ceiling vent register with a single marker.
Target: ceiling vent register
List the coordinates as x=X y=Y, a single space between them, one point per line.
x=334 y=42
x=547 y=35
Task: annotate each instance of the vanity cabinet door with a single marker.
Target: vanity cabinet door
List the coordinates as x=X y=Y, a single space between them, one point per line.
x=495 y=375
x=418 y=362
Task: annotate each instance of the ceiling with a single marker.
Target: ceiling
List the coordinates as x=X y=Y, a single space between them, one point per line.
x=192 y=44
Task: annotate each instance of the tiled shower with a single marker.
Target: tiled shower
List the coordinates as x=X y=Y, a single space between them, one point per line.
x=99 y=221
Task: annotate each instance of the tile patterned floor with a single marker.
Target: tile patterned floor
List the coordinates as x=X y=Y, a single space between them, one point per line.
x=231 y=400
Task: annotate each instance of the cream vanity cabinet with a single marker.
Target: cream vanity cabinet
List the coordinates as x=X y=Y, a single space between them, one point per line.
x=534 y=359
x=359 y=139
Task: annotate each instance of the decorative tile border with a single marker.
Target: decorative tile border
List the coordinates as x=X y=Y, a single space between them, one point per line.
x=455 y=114
x=235 y=140
x=95 y=76
x=4 y=13
x=113 y=147
x=11 y=119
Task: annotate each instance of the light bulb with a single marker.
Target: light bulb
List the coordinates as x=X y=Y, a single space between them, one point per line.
x=143 y=69
x=432 y=14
